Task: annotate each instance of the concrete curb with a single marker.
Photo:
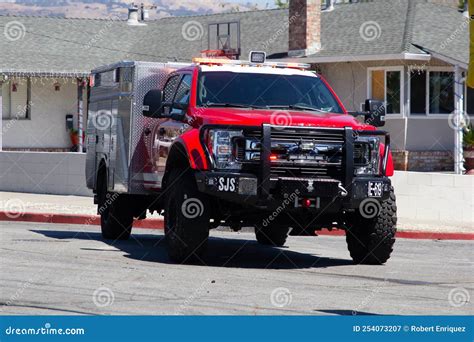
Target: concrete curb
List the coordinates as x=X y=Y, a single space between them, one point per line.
x=158 y=224
x=72 y=219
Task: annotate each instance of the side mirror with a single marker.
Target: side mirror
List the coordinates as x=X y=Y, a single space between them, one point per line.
x=375 y=113
x=152 y=103
x=178 y=111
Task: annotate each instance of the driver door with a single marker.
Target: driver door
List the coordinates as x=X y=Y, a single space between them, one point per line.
x=176 y=91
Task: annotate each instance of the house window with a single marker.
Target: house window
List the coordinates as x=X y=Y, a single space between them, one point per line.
x=392 y=91
x=441 y=93
x=470 y=101
x=418 y=92
x=14 y=94
x=386 y=85
x=431 y=92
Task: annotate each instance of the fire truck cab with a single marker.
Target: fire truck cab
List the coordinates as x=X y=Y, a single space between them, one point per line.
x=221 y=142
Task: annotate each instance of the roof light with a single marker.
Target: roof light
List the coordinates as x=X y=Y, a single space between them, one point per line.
x=257 y=57
x=288 y=65
x=199 y=60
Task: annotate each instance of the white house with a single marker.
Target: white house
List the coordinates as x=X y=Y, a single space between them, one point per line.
x=413 y=54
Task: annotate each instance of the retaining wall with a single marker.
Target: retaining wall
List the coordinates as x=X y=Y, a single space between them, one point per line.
x=59 y=173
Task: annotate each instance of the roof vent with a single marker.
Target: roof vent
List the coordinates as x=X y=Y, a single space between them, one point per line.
x=133 y=16
x=145 y=14
x=329 y=6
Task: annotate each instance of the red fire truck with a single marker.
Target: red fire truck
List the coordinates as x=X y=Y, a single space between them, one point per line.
x=221 y=142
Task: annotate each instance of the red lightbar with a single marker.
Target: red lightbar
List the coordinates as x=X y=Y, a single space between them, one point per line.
x=222 y=61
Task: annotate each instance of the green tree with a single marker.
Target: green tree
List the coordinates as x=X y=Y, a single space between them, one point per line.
x=281 y=3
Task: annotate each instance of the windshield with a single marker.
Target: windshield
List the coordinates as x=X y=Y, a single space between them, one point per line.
x=231 y=89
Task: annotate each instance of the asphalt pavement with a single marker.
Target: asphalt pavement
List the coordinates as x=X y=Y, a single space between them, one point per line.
x=55 y=269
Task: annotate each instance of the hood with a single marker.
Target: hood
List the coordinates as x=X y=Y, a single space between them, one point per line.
x=257 y=117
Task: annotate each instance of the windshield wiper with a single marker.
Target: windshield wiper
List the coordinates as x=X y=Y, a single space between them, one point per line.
x=236 y=105
x=297 y=107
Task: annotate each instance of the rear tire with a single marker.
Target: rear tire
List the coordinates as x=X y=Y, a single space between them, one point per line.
x=116 y=216
x=186 y=218
x=272 y=235
x=370 y=241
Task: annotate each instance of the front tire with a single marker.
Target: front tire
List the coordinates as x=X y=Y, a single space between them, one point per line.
x=186 y=218
x=370 y=240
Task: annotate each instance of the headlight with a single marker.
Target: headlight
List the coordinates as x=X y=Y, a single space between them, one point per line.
x=367 y=155
x=220 y=144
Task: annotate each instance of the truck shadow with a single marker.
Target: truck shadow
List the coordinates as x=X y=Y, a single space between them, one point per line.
x=221 y=252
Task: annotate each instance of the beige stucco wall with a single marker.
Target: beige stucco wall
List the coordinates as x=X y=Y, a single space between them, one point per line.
x=349 y=80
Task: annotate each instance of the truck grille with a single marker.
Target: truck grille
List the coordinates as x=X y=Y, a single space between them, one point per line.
x=306 y=152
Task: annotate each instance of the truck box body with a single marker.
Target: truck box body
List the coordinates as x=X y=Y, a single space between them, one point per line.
x=115 y=122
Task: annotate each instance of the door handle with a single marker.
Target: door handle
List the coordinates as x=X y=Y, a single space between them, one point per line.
x=147 y=131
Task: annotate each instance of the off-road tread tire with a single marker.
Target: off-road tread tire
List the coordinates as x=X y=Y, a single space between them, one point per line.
x=370 y=241
x=186 y=237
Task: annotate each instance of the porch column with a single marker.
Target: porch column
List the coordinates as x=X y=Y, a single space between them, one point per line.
x=458 y=120
x=1 y=118
x=80 y=109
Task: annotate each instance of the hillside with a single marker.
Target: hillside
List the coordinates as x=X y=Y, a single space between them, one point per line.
x=118 y=8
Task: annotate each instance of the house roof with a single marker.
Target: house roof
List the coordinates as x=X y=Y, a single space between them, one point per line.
x=442 y=31
x=75 y=46
x=58 y=45
x=390 y=28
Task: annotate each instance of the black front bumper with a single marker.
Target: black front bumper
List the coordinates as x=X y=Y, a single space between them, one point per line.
x=246 y=190
x=266 y=190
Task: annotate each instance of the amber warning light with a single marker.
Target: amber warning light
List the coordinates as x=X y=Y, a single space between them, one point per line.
x=256 y=59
